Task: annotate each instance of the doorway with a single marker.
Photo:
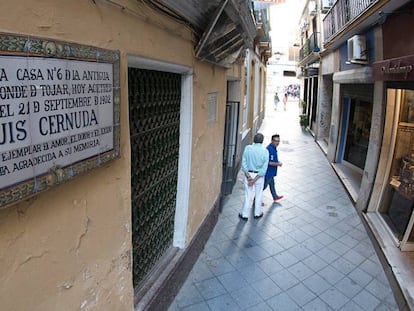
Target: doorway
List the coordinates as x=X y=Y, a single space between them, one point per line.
x=230 y=167
x=355 y=132
x=352 y=147
x=154 y=112
x=230 y=145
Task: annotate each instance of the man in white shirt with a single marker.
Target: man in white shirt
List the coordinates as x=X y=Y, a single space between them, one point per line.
x=254 y=165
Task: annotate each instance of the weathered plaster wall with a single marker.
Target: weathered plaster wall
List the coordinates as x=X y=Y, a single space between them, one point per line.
x=331 y=65
x=374 y=148
x=370 y=187
x=69 y=248
x=324 y=108
x=207 y=153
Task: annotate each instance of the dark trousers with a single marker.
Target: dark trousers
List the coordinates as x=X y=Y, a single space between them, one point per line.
x=271 y=183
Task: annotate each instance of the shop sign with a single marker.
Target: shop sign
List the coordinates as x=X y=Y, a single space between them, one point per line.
x=397 y=69
x=59 y=113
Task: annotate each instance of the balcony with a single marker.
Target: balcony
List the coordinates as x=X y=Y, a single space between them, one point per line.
x=342 y=13
x=310 y=46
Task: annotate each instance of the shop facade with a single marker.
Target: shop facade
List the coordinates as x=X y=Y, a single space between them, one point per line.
x=345 y=113
x=367 y=90
x=386 y=196
x=394 y=199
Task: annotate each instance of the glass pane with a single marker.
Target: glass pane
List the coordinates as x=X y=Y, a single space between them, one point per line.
x=407 y=107
x=398 y=197
x=357 y=139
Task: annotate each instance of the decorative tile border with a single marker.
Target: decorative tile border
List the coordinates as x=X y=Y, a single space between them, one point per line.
x=14 y=46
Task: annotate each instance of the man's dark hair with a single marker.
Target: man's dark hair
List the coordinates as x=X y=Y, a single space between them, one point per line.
x=258 y=138
x=275 y=136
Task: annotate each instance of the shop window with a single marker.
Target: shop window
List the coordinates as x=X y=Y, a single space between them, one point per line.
x=398 y=197
x=359 y=114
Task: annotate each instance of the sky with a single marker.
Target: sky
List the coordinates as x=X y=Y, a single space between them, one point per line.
x=284 y=23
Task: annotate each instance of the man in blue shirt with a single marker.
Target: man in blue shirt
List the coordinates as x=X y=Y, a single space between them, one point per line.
x=272 y=167
x=254 y=165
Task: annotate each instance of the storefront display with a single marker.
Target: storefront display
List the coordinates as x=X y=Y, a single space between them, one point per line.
x=398 y=196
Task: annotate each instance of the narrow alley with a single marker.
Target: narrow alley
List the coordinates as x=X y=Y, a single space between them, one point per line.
x=311 y=251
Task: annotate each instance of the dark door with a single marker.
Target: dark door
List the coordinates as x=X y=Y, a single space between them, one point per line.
x=230 y=145
x=154 y=118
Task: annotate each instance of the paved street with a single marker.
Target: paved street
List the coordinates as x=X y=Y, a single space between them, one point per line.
x=310 y=251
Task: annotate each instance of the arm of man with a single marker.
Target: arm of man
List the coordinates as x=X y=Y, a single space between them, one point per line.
x=244 y=167
x=244 y=164
x=273 y=159
x=271 y=163
x=264 y=159
x=265 y=162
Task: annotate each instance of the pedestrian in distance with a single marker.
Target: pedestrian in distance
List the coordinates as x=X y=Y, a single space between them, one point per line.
x=276 y=100
x=255 y=159
x=285 y=99
x=273 y=164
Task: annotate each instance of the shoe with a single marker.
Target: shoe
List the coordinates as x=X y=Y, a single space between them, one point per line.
x=242 y=218
x=280 y=197
x=258 y=216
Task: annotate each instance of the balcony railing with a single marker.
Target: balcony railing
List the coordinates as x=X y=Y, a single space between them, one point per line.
x=311 y=45
x=341 y=14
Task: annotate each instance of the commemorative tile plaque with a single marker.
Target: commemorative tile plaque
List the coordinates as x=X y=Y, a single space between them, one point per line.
x=59 y=113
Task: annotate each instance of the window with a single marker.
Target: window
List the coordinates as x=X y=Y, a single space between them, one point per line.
x=357 y=138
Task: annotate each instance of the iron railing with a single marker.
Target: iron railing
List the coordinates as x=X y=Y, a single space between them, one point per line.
x=311 y=45
x=341 y=14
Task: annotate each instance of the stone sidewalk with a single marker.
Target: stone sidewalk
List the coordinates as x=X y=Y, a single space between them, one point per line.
x=310 y=251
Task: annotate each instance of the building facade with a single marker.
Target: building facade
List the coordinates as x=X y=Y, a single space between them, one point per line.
x=113 y=121
x=362 y=118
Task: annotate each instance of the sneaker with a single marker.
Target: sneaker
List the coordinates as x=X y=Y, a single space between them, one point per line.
x=280 y=197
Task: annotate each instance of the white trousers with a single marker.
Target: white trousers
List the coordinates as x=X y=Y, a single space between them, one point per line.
x=251 y=192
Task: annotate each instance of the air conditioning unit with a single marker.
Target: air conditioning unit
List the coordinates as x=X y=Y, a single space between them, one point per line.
x=357 y=50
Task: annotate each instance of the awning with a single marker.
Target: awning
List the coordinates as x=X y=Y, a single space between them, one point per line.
x=223 y=28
